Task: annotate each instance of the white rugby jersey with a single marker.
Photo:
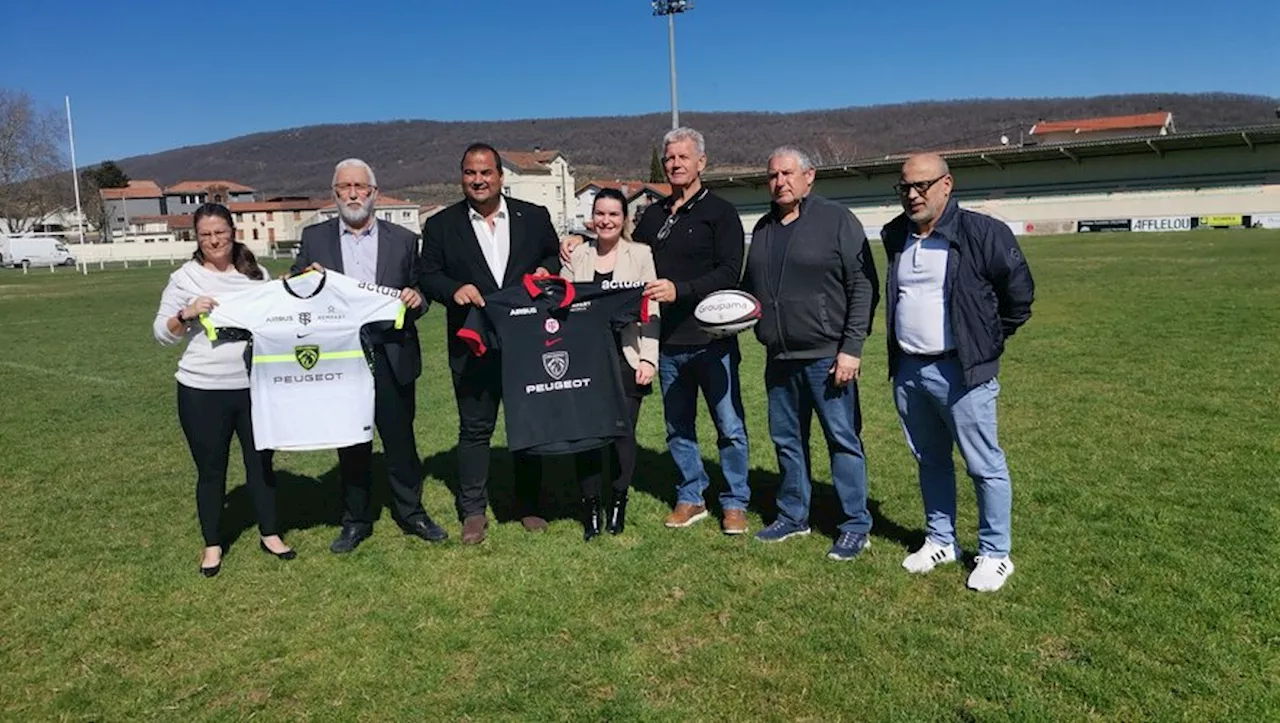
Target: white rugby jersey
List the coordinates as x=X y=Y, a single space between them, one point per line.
x=310 y=382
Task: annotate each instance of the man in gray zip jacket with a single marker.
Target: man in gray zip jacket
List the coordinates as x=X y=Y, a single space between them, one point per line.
x=811 y=268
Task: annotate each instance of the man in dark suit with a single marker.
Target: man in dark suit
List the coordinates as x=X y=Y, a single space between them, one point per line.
x=364 y=248
x=475 y=247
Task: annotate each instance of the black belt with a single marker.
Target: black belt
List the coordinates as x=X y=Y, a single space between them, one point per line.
x=930 y=358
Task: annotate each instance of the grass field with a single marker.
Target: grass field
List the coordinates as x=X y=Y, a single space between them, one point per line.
x=1140 y=414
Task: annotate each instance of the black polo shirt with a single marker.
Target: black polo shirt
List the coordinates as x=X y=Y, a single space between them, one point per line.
x=700 y=249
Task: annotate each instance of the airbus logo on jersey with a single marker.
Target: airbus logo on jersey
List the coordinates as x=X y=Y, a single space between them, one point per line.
x=524 y=311
x=384 y=290
x=279 y=319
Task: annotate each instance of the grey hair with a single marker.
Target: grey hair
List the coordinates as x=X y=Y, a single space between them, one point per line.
x=355 y=163
x=806 y=164
x=676 y=135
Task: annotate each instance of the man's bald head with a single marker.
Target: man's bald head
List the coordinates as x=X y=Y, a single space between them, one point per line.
x=925 y=188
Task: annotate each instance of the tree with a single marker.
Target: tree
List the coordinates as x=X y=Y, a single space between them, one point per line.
x=30 y=159
x=106 y=175
x=656 y=172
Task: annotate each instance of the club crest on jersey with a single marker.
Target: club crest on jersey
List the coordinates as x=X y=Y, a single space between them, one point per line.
x=307 y=355
x=556 y=363
x=551 y=325
x=304 y=317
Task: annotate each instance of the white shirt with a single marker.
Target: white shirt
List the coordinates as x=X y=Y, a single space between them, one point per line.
x=310 y=384
x=359 y=251
x=495 y=243
x=203 y=365
x=921 y=320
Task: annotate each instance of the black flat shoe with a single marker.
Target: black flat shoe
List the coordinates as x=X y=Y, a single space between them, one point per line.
x=617 y=521
x=286 y=555
x=211 y=571
x=590 y=518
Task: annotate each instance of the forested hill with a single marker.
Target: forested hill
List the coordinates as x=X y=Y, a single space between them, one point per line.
x=420 y=157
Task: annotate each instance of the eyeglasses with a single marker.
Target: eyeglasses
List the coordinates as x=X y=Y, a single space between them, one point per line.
x=206 y=235
x=921 y=187
x=361 y=188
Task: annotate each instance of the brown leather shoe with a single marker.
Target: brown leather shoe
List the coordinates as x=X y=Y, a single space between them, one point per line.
x=734 y=523
x=473 y=529
x=533 y=523
x=686 y=514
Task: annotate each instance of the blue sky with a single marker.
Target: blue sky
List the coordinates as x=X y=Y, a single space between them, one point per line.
x=146 y=76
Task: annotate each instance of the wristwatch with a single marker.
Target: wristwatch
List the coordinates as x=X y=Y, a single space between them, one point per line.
x=181 y=319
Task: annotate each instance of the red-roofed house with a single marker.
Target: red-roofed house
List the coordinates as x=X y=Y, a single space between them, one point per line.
x=186 y=196
x=262 y=223
x=639 y=195
x=1118 y=126
x=541 y=177
x=139 y=198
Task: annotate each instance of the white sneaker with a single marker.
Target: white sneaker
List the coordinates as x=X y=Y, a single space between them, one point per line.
x=990 y=573
x=929 y=556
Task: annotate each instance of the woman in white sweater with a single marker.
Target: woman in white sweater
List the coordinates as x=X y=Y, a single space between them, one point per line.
x=213 y=381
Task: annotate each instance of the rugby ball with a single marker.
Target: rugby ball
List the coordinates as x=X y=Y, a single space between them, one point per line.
x=728 y=312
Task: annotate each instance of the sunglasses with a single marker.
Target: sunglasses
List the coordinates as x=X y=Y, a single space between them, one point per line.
x=921 y=187
x=670 y=223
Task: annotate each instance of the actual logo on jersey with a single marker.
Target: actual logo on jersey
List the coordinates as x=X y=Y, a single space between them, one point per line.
x=551 y=326
x=384 y=290
x=304 y=317
x=556 y=363
x=307 y=355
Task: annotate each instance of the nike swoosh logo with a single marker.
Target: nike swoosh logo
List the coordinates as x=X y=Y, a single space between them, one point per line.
x=304 y=336
x=552 y=342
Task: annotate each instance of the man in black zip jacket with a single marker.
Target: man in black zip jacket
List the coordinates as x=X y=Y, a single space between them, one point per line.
x=957 y=287
x=811 y=268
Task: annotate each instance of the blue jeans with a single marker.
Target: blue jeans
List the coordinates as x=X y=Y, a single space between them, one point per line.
x=713 y=369
x=937 y=409
x=798 y=388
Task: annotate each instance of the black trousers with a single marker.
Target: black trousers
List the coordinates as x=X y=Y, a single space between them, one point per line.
x=394 y=407
x=478 y=391
x=589 y=465
x=209 y=417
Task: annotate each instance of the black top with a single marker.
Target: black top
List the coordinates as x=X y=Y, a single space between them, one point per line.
x=700 y=249
x=562 y=389
x=778 y=251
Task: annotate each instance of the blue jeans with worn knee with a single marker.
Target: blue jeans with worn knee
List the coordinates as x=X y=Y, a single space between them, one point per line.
x=713 y=369
x=937 y=410
x=798 y=388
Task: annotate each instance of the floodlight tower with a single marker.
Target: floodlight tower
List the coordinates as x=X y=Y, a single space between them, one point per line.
x=670 y=8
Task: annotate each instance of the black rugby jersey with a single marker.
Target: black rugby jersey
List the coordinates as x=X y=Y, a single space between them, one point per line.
x=560 y=380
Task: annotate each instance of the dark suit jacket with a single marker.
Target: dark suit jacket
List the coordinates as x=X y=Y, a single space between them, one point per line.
x=451 y=259
x=397 y=268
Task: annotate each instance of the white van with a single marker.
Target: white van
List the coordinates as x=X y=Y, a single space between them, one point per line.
x=18 y=251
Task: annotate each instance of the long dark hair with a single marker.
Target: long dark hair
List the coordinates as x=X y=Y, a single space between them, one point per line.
x=241 y=257
x=616 y=195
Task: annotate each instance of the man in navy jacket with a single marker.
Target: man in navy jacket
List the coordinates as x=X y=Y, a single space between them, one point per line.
x=957 y=286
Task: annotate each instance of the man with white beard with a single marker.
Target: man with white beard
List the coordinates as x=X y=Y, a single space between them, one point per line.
x=377 y=252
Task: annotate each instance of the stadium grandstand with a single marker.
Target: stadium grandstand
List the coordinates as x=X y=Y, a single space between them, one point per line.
x=1098 y=174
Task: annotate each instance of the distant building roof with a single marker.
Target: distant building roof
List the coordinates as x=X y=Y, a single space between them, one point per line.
x=536 y=161
x=629 y=188
x=1141 y=121
x=136 y=189
x=200 y=186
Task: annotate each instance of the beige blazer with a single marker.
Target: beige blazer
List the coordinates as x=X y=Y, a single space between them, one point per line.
x=634 y=263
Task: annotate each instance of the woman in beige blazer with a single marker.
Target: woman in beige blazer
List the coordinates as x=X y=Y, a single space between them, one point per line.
x=612 y=256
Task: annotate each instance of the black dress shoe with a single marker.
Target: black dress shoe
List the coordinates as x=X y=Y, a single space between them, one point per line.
x=350 y=538
x=286 y=555
x=427 y=529
x=211 y=571
x=590 y=518
x=617 y=521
